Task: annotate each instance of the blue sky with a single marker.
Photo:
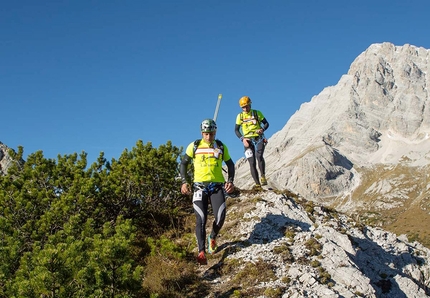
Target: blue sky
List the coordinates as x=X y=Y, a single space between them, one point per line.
x=100 y=75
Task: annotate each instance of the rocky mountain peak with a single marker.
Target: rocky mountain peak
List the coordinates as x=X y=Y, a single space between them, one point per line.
x=379 y=112
x=363 y=144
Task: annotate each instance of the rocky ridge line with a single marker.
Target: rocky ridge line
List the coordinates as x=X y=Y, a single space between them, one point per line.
x=313 y=252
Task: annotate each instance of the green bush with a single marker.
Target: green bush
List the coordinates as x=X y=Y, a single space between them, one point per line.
x=70 y=229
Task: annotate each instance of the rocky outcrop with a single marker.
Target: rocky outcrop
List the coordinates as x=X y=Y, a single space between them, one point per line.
x=5 y=159
x=378 y=113
x=311 y=251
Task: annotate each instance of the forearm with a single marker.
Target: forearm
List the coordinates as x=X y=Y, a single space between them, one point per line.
x=230 y=170
x=183 y=168
x=237 y=131
x=265 y=124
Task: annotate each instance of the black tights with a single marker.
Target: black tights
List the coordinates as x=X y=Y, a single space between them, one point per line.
x=256 y=158
x=201 y=204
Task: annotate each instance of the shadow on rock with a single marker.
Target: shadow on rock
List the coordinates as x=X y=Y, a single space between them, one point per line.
x=384 y=268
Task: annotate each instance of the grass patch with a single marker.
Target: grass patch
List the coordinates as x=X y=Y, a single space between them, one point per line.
x=313 y=247
x=254 y=273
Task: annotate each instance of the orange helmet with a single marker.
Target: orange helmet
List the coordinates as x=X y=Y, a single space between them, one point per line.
x=244 y=101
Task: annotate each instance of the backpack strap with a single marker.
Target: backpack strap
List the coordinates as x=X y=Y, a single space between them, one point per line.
x=255 y=114
x=196 y=145
x=220 y=145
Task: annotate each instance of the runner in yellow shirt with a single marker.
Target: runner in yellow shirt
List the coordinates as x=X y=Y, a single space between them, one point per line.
x=208 y=155
x=249 y=128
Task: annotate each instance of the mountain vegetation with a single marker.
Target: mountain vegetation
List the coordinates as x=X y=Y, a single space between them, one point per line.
x=69 y=229
x=122 y=229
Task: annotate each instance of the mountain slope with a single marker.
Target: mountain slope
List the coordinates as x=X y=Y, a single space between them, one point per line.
x=281 y=245
x=376 y=117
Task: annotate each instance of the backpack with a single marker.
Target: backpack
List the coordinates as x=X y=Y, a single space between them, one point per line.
x=218 y=143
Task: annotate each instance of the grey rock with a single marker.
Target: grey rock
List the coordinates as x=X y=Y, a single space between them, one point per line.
x=379 y=112
x=349 y=260
x=5 y=159
x=375 y=122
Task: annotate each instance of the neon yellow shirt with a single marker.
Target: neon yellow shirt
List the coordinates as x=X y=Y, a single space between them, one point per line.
x=249 y=124
x=208 y=161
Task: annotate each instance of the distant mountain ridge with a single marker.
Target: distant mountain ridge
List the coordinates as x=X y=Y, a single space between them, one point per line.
x=375 y=118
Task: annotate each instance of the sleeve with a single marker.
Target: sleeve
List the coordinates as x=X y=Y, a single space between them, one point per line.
x=265 y=124
x=230 y=170
x=230 y=165
x=260 y=116
x=263 y=120
x=183 y=168
x=238 y=121
x=226 y=154
x=237 y=131
x=237 y=127
x=189 y=152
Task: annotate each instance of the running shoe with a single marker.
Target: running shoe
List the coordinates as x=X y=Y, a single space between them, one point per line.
x=201 y=258
x=211 y=245
x=263 y=180
x=257 y=187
